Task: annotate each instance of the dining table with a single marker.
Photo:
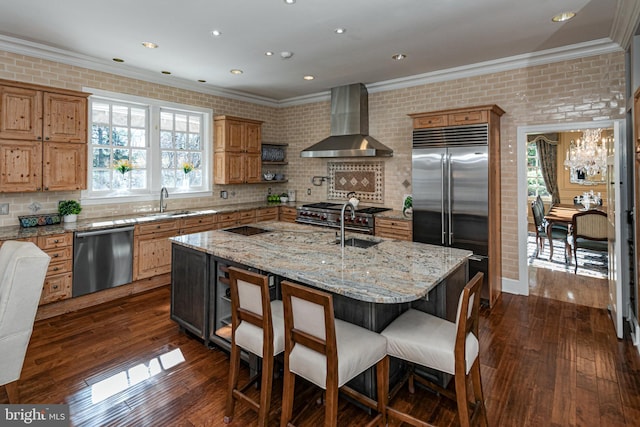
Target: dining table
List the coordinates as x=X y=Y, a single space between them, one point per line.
x=561 y=214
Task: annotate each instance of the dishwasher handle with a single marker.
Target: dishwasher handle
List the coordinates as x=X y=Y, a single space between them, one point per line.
x=105 y=231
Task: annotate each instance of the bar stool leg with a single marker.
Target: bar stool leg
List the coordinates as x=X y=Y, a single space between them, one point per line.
x=288 y=388
x=331 y=404
x=265 y=391
x=477 y=391
x=233 y=382
x=461 y=397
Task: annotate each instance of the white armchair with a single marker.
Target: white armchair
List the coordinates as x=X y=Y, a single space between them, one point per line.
x=23 y=267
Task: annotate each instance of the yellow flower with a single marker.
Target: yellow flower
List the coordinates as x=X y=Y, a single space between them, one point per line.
x=123 y=166
x=188 y=167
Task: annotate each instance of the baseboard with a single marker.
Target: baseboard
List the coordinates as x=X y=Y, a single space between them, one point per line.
x=515 y=287
x=634 y=329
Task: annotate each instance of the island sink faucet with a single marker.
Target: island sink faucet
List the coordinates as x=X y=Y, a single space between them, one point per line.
x=164 y=194
x=353 y=216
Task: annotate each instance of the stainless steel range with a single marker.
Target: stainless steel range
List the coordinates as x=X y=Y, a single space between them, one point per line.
x=328 y=215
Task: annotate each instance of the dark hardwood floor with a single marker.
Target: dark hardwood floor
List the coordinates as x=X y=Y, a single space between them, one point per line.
x=125 y=363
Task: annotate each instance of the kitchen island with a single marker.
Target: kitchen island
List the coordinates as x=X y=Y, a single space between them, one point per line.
x=370 y=286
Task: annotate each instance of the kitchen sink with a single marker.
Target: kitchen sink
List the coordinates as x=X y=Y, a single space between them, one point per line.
x=166 y=214
x=358 y=243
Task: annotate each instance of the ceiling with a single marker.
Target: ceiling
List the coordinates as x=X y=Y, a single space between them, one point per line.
x=436 y=36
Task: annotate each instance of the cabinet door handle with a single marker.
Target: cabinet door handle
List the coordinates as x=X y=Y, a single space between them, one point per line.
x=55 y=269
x=56 y=241
x=46 y=188
x=56 y=255
x=54 y=287
x=46 y=139
x=39 y=138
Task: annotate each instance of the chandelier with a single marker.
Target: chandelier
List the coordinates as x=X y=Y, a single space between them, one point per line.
x=588 y=156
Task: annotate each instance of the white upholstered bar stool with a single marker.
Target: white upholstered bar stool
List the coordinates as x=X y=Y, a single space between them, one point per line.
x=453 y=348
x=328 y=352
x=257 y=327
x=23 y=267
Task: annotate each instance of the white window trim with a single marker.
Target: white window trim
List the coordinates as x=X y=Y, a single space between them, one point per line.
x=154 y=134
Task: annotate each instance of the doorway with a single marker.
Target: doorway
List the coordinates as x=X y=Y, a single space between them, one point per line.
x=614 y=290
x=566 y=170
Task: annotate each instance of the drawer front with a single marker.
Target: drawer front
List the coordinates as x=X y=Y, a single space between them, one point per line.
x=227 y=217
x=55 y=241
x=60 y=254
x=430 y=122
x=247 y=215
x=59 y=267
x=267 y=212
x=56 y=288
x=157 y=226
x=470 y=117
x=394 y=223
x=227 y=224
x=198 y=221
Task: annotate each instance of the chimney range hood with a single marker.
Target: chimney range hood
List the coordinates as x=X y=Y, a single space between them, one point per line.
x=349 y=127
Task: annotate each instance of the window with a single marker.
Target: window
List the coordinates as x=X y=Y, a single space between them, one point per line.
x=535 y=182
x=139 y=145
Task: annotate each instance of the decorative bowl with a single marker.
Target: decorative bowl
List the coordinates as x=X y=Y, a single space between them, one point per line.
x=279 y=177
x=284 y=199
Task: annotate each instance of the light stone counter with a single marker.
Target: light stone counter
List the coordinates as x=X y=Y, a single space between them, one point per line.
x=390 y=272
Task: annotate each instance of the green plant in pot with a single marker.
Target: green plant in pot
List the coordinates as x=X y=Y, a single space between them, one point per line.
x=69 y=209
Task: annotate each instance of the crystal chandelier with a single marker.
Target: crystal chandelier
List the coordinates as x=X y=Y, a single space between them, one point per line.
x=588 y=155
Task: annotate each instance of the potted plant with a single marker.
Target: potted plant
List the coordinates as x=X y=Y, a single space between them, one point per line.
x=69 y=209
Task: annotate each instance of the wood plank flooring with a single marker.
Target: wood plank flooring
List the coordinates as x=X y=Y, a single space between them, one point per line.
x=568 y=287
x=125 y=363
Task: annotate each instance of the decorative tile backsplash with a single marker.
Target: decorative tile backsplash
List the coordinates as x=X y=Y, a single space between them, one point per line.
x=366 y=179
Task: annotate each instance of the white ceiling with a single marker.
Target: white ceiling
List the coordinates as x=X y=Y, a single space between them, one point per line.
x=435 y=35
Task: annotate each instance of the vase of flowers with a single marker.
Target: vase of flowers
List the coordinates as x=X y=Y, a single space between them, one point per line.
x=69 y=210
x=187 y=168
x=124 y=166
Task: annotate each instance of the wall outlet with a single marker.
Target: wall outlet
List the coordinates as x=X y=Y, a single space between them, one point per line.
x=308 y=191
x=4 y=208
x=224 y=194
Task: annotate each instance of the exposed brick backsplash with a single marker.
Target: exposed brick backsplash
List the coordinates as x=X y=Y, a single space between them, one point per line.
x=591 y=88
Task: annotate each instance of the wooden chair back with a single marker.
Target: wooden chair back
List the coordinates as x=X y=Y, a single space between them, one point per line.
x=251 y=302
x=309 y=321
x=467 y=320
x=591 y=225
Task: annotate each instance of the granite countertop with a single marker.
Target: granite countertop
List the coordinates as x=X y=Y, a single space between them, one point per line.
x=17 y=232
x=392 y=271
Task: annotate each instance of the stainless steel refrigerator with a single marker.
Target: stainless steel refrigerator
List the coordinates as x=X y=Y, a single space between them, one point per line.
x=450 y=190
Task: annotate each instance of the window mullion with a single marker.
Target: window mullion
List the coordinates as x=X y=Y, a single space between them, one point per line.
x=155 y=168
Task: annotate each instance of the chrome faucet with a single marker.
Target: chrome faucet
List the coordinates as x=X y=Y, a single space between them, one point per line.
x=353 y=216
x=163 y=194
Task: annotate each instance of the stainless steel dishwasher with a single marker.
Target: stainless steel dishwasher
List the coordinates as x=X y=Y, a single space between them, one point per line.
x=102 y=259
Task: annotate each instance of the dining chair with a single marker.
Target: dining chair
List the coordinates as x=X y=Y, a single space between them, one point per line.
x=23 y=267
x=257 y=327
x=422 y=339
x=588 y=231
x=540 y=224
x=328 y=352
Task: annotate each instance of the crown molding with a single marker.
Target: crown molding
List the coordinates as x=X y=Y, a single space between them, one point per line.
x=625 y=22
x=580 y=50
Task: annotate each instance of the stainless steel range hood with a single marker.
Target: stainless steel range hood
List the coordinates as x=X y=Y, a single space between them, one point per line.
x=349 y=127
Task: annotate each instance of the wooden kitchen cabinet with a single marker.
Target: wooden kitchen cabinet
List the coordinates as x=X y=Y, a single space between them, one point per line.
x=394 y=228
x=43 y=136
x=455 y=117
x=237 y=150
x=267 y=214
x=288 y=213
x=152 y=248
x=59 y=278
x=20 y=166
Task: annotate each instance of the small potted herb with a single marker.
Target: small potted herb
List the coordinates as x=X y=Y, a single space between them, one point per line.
x=69 y=209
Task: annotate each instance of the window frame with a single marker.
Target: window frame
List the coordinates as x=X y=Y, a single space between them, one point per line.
x=154 y=166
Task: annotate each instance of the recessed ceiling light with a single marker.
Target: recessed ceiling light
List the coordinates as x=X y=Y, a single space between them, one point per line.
x=118 y=60
x=286 y=54
x=165 y=72
x=309 y=77
x=340 y=30
x=202 y=81
x=150 y=45
x=565 y=16
x=269 y=53
x=216 y=33
x=398 y=56
x=289 y=1
x=236 y=71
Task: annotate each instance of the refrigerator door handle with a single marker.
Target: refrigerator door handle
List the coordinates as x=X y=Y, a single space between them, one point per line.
x=449 y=213
x=442 y=213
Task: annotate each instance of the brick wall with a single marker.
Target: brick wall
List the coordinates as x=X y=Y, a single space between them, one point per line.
x=584 y=89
